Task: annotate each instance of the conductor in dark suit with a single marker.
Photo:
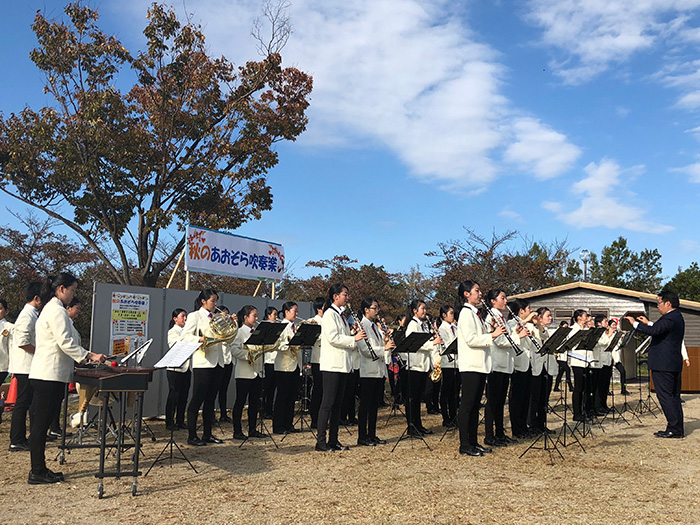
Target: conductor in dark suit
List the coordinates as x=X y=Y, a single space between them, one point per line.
x=665 y=361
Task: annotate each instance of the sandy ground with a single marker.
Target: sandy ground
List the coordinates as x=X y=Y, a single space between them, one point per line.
x=625 y=475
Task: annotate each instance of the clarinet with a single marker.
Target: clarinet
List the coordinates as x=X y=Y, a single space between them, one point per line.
x=385 y=332
x=500 y=322
x=534 y=340
x=432 y=326
x=372 y=353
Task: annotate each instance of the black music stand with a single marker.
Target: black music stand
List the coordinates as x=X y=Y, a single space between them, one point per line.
x=646 y=404
x=449 y=352
x=554 y=341
x=616 y=340
x=592 y=336
x=564 y=348
x=411 y=345
x=265 y=334
x=305 y=337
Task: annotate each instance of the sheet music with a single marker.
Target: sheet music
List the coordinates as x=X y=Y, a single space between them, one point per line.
x=139 y=352
x=581 y=357
x=178 y=354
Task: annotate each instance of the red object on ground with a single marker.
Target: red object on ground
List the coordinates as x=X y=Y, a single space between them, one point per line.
x=12 y=393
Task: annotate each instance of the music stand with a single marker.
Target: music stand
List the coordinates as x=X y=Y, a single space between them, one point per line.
x=450 y=351
x=616 y=340
x=644 y=405
x=265 y=334
x=564 y=348
x=305 y=337
x=550 y=347
x=590 y=340
x=411 y=345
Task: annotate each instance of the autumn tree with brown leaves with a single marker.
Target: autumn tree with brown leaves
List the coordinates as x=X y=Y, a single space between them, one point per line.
x=191 y=141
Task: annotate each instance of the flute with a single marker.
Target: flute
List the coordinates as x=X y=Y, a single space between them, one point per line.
x=499 y=320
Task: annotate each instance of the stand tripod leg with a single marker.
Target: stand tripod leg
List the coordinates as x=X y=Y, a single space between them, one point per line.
x=170 y=444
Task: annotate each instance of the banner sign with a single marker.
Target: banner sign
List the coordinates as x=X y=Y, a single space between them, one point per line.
x=220 y=253
x=129 y=327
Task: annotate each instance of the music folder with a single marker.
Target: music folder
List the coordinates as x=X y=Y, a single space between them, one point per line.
x=591 y=338
x=266 y=334
x=616 y=339
x=554 y=341
x=451 y=349
x=573 y=341
x=306 y=335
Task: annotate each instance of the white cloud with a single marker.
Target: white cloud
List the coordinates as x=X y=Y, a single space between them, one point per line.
x=510 y=215
x=690 y=245
x=601 y=202
x=594 y=35
x=692 y=170
x=400 y=75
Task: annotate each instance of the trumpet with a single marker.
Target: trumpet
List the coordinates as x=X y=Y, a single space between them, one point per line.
x=499 y=320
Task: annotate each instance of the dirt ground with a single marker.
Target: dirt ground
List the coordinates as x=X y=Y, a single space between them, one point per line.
x=625 y=475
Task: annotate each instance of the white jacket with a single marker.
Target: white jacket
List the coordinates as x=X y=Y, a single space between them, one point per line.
x=6 y=329
x=23 y=334
x=199 y=322
x=421 y=361
x=316 y=349
x=337 y=342
x=368 y=367
x=601 y=357
x=240 y=352
x=473 y=342
x=285 y=361
x=538 y=362
x=56 y=347
x=448 y=333
x=502 y=353
x=573 y=361
x=521 y=363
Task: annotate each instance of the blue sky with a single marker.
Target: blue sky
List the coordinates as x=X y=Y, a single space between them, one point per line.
x=558 y=118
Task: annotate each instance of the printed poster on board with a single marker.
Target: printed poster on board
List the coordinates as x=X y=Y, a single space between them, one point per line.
x=220 y=253
x=129 y=326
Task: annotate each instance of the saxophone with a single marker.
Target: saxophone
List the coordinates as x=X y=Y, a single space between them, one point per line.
x=436 y=373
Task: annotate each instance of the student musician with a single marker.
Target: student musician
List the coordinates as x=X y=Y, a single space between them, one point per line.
x=449 y=392
x=5 y=336
x=544 y=368
x=179 y=379
x=521 y=379
x=503 y=364
x=248 y=376
x=317 y=391
x=52 y=368
x=373 y=373
x=207 y=367
x=418 y=366
x=21 y=354
x=474 y=361
x=617 y=360
x=581 y=401
x=601 y=368
x=563 y=366
x=337 y=344
x=269 y=385
x=286 y=374
x=398 y=335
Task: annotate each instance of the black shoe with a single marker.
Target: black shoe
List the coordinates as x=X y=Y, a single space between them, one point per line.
x=45 y=479
x=669 y=434
x=366 y=443
x=412 y=431
x=471 y=451
x=658 y=433
x=195 y=441
x=20 y=447
x=579 y=419
x=352 y=422
x=225 y=419
x=483 y=450
x=508 y=439
x=255 y=434
x=181 y=426
x=314 y=426
x=323 y=447
x=433 y=412
x=171 y=427
x=279 y=432
x=293 y=430
x=378 y=441
x=57 y=433
x=240 y=435
x=338 y=446
x=425 y=431
x=58 y=475
x=549 y=431
x=556 y=389
x=494 y=442
x=212 y=440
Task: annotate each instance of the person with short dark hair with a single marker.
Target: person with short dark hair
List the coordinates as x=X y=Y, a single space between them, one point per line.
x=665 y=359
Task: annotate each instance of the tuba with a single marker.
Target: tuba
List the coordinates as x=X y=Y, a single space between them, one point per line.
x=223 y=326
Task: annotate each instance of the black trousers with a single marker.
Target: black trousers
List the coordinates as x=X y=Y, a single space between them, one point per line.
x=347 y=412
x=468 y=417
x=449 y=395
x=496 y=393
x=287 y=389
x=223 y=388
x=269 y=389
x=601 y=398
x=592 y=390
x=316 y=394
x=539 y=398
x=178 y=390
x=250 y=389
x=579 y=399
x=25 y=394
x=371 y=392
x=564 y=368
x=413 y=388
x=668 y=392
x=329 y=413
x=432 y=395
x=519 y=401
x=205 y=387
x=46 y=405
x=623 y=375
